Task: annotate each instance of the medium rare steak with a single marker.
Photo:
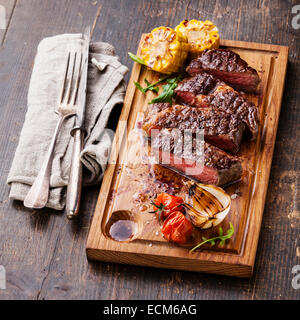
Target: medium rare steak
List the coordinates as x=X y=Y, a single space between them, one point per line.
x=227 y=66
x=211 y=166
x=224 y=130
x=204 y=90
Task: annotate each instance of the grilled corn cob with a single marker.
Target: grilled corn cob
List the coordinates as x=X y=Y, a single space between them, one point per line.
x=164 y=50
x=201 y=35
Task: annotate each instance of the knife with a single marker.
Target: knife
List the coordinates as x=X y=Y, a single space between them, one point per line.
x=78 y=132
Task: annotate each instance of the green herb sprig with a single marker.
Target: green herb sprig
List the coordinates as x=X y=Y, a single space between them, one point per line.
x=136 y=58
x=150 y=86
x=222 y=237
x=168 y=91
x=160 y=209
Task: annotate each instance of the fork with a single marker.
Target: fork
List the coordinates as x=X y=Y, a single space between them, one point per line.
x=38 y=194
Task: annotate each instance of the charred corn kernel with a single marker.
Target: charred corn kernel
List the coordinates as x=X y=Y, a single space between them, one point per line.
x=164 y=50
x=201 y=35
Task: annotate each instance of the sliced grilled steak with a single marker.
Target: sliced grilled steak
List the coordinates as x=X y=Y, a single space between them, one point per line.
x=221 y=129
x=204 y=90
x=153 y=109
x=212 y=166
x=227 y=66
x=201 y=84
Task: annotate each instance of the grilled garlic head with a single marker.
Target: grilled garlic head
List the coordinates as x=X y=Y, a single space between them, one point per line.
x=210 y=205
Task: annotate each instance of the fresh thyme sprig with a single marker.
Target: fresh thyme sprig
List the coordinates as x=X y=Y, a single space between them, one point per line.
x=220 y=237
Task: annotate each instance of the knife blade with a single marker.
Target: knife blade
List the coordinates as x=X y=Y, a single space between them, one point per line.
x=78 y=132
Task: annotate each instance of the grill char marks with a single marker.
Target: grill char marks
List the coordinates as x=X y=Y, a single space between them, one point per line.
x=230 y=101
x=204 y=90
x=213 y=166
x=201 y=84
x=221 y=129
x=228 y=66
x=155 y=108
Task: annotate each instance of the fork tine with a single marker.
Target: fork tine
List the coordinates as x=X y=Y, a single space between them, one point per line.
x=77 y=81
x=65 y=79
x=68 y=93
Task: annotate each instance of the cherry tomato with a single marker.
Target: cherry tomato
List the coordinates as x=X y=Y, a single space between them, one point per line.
x=165 y=204
x=177 y=228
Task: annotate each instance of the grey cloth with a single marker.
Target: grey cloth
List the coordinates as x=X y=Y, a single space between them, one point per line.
x=106 y=88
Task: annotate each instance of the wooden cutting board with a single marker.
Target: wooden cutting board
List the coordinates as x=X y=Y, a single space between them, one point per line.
x=129 y=184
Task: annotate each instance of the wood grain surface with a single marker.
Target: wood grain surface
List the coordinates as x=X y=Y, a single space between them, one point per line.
x=44 y=253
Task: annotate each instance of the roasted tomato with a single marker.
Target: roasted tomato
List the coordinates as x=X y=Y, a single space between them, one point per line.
x=177 y=228
x=165 y=204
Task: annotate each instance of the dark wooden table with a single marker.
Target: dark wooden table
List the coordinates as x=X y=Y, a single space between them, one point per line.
x=44 y=253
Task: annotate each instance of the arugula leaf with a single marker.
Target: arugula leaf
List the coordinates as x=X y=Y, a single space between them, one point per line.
x=140 y=87
x=220 y=231
x=147 y=82
x=168 y=91
x=150 y=86
x=221 y=237
x=222 y=243
x=136 y=58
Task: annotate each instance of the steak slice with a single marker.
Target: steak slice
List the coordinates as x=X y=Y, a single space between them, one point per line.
x=153 y=109
x=204 y=90
x=221 y=129
x=211 y=166
x=227 y=66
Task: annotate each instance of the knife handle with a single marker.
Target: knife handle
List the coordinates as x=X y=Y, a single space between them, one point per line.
x=75 y=179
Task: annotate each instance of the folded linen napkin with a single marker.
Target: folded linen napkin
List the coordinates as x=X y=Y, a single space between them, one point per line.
x=106 y=88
